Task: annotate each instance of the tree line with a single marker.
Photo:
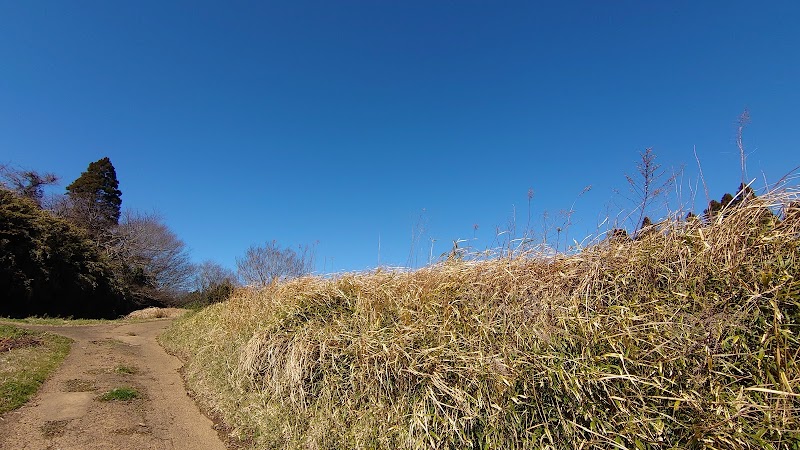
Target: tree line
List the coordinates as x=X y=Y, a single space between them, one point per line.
x=717 y=210
x=79 y=254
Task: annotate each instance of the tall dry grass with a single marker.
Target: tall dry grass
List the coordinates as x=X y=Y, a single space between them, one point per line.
x=684 y=338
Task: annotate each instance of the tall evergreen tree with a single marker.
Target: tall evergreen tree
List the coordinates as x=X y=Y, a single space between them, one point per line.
x=745 y=194
x=716 y=207
x=96 y=198
x=645 y=229
x=726 y=200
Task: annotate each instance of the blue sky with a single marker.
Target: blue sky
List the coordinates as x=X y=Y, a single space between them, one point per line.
x=345 y=122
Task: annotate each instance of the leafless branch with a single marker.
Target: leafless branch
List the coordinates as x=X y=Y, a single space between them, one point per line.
x=268 y=263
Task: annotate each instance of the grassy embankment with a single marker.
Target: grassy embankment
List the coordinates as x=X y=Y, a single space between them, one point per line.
x=27 y=358
x=55 y=321
x=684 y=338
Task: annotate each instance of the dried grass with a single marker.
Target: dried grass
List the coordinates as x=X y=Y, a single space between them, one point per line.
x=684 y=338
x=156 y=313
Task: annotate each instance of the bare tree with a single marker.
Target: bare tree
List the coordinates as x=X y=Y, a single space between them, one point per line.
x=26 y=183
x=155 y=259
x=209 y=274
x=262 y=265
x=212 y=283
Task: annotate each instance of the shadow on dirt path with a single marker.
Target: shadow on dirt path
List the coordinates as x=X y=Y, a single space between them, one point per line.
x=68 y=414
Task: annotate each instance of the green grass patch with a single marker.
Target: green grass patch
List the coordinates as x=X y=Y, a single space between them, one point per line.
x=8 y=331
x=126 y=370
x=31 y=357
x=120 y=394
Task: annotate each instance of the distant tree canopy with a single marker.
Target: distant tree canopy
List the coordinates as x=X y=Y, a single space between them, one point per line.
x=210 y=274
x=744 y=194
x=78 y=259
x=95 y=198
x=645 y=229
x=717 y=209
x=213 y=283
x=152 y=261
x=49 y=267
x=265 y=264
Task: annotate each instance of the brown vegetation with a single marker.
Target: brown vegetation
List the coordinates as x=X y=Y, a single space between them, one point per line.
x=10 y=343
x=156 y=313
x=684 y=337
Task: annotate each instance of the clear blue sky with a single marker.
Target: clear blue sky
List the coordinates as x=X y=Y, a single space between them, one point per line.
x=339 y=121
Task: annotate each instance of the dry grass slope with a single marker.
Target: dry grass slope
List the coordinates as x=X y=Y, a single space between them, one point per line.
x=684 y=338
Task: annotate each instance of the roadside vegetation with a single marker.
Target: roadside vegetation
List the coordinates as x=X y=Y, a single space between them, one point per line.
x=77 y=254
x=57 y=321
x=27 y=358
x=684 y=335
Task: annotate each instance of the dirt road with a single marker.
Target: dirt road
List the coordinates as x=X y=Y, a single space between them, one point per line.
x=67 y=412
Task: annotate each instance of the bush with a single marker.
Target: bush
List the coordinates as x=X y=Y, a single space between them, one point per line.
x=215 y=293
x=49 y=267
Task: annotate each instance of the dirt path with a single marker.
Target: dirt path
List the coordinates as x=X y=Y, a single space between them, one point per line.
x=66 y=413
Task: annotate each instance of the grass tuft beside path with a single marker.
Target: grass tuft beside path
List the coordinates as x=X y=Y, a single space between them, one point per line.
x=27 y=358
